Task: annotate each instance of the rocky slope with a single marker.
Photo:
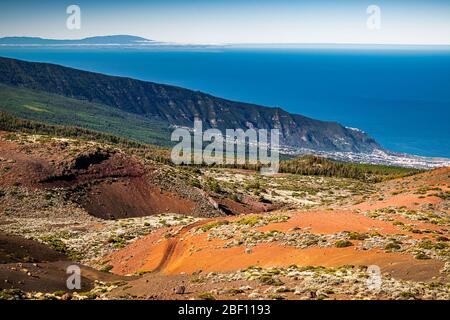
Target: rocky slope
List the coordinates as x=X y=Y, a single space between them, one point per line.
x=179 y=107
x=104 y=180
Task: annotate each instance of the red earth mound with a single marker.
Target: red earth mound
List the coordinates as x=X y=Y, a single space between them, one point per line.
x=108 y=184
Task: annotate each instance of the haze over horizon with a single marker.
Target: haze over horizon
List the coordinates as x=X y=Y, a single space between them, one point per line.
x=239 y=22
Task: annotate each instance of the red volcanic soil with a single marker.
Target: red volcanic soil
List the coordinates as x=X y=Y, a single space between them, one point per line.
x=113 y=185
x=409 y=201
x=407 y=192
x=133 y=197
x=108 y=184
x=189 y=252
x=154 y=250
x=332 y=221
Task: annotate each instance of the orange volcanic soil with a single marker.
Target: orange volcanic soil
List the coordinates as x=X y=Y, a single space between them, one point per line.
x=189 y=252
x=409 y=201
x=406 y=192
x=146 y=254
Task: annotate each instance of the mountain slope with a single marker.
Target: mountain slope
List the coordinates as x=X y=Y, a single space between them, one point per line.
x=59 y=110
x=178 y=106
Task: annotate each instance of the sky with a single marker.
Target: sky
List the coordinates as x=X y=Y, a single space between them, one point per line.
x=235 y=21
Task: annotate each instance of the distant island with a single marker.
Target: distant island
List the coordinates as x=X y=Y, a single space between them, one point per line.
x=130 y=40
x=100 y=40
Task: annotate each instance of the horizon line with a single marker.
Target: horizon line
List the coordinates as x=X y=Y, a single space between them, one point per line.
x=153 y=41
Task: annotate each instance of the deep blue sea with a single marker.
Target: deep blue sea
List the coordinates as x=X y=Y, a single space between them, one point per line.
x=400 y=97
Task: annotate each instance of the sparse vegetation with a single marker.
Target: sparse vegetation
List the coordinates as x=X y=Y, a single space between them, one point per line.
x=392 y=246
x=11 y=294
x=206 y=296
x=268 y=279
x=343 y=243
x=10 y=123
x=422 y=256
x=250 y=221
x=357 y=236
x=212 y=225
x=107 y=268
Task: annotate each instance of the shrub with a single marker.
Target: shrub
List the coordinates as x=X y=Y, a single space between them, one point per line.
x=357 y=236
x=422 y=256
x=197 y=279
x=117 y=241
x=206 y=296
x=106 y=268
x=264 y=200
x=407 y=295
x=234 y=291
x=269 y=280
x=441 y=245
x=235 y=198
x=249 y=221
x=195 y=183
x=212 y=225
x=89 y=295
x=392 y=246
x=343 y=244
x=427 y=244
x=55 y=244
x=59 y=293
x=284 y=289
x=11 y=294
x=213 y=185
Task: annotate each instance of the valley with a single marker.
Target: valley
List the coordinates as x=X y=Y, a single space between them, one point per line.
x=141 y=228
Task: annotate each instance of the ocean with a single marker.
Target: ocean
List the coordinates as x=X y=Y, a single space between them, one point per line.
x=401 y=97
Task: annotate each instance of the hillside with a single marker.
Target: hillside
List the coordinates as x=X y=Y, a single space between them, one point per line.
x=147 y=230
x=178 y=106
x=59 y=110
x=309 y=165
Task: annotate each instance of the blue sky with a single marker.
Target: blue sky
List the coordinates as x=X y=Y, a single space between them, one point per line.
x=233 y=21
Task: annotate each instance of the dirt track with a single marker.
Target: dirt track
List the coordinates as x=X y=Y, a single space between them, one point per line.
x=189 y=252
x=173 y=242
